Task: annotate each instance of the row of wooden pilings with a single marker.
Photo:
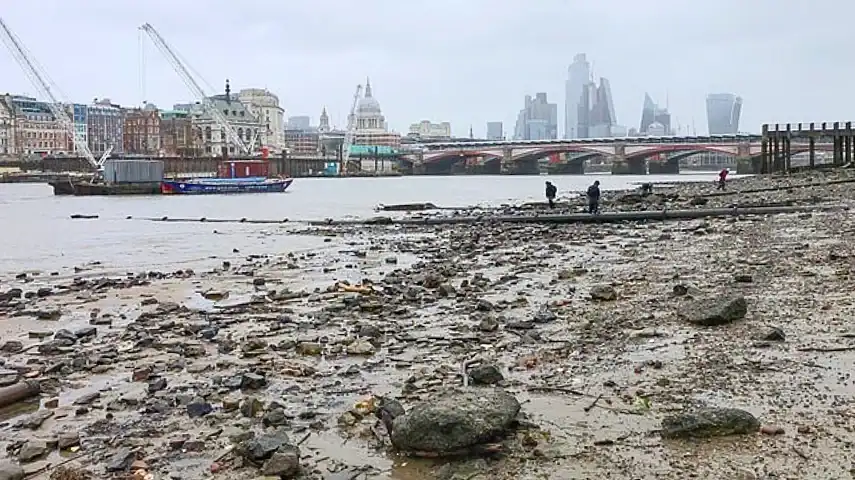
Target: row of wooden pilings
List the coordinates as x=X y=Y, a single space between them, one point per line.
x=776 y=151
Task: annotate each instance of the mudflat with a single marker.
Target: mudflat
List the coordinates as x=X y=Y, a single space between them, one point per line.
x=709 y=348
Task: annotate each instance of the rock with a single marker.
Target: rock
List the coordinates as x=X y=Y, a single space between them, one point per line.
x=121 y=460
x=285 y=463
x=44 y=292
x=715 y=311
x=743 y=278
x=309 y=348
x=141 y=374
x=32 y=450
x=251 y=407
x=156 y=384
x=258 y=282
x=199 y=408
x=12 y=346
x=262 y=447
x=774 y=334
x=68 y=440
x=455 y=421
x=360 y=347
x=488 y=324
x=85 y=332
x=603 y=293
x=252 y=381
x=484 y=306
x=35 y=419
x=486 y=375
x=772 y=430
x=66 y=336
x=274 y=418
x=709 y=422
x=11 y=471
x=545 y=315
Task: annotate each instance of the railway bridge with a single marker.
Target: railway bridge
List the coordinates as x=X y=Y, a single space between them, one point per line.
x=631 y=155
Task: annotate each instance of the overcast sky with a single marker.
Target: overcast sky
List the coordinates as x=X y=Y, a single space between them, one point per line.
x=463 y=61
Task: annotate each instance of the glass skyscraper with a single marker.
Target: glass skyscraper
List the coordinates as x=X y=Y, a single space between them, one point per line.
x=723 y=110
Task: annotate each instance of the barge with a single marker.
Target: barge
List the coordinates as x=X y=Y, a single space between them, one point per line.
x=225 y=185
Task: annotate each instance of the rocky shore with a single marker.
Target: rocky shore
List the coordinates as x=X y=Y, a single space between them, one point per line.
x=717 y=348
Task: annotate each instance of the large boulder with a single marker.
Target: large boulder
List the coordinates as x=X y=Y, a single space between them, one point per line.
x=709 y=422
x=456 y=421
x=715 y=310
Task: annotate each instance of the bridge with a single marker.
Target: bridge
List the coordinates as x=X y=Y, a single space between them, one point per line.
x=632 y=155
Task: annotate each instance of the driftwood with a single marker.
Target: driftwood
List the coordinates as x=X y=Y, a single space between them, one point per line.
x=18 y=392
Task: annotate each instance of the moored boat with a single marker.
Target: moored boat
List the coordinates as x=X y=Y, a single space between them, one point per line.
x=225 y=185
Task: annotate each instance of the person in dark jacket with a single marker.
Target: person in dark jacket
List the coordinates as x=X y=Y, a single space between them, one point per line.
x=551 y=191
x=594 y=198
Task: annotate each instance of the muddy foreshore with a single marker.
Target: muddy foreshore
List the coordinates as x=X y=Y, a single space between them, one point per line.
x=188 y=375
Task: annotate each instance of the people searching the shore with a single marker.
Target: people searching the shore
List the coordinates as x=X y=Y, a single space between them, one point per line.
x=646 y=189
x=594 y=198
x=722 y=178
x=551 y=191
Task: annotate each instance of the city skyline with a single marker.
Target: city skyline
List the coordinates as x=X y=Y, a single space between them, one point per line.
x=428 y=77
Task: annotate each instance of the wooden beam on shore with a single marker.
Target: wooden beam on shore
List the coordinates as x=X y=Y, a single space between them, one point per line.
x=610 y=217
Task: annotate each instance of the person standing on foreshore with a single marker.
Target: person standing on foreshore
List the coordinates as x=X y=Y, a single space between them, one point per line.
x=594 y=198
x=722 y=178
x=551 y=191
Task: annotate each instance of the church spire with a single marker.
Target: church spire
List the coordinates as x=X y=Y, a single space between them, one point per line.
x=367 y=87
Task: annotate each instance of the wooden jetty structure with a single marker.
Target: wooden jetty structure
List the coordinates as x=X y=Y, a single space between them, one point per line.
x=776 y=154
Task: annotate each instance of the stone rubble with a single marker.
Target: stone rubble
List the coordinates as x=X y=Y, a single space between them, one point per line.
x=609 y=351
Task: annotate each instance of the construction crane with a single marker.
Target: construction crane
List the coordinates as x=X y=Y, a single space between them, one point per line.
x=194 y=87
x=38 y=80
x=351 y=130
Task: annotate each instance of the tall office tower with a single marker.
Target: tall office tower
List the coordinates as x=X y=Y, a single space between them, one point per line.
x=652 y=113
x=494 y=131
x=578 y=74
x=723 y=111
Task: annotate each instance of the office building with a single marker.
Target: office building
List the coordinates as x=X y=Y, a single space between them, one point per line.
x=433 y=131
x=105 y=125
x=578 y=74
x=538 y=120
x=495 y=131
x=264 y=105
x=596 y=111
x=652 y=113
x=299 y=122
x=723 y=111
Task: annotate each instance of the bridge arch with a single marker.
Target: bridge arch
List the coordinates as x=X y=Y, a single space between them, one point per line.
x=459 y=155
x=589 y=152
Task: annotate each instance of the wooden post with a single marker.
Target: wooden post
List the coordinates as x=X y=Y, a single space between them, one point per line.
x=812 y=147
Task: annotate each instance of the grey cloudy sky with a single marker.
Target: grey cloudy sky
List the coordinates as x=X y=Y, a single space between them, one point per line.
x=463 y=61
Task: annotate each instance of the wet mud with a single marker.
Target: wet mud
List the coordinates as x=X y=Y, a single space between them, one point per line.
x=166 y=375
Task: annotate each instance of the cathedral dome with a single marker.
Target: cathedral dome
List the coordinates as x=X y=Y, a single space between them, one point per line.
x=368 y=105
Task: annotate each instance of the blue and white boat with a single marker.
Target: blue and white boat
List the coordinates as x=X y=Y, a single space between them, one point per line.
x=225 y=185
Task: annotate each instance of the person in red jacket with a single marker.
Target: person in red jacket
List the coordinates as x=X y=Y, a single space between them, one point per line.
x=722 y=178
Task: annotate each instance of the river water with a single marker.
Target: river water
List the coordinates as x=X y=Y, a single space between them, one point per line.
x=37 y=234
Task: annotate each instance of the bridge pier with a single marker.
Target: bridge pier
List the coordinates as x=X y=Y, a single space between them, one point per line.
x=572 y=167
x=667 y=167
x=623 y=165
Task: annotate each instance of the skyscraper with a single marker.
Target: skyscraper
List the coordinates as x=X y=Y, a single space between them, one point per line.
x=578 y=74
x=538 y=120
x=652 y=113
x=723 y=110
x=494 y=131
x=595 y=111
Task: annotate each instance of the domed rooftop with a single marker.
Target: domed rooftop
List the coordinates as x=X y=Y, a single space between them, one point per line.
x=368 y=105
